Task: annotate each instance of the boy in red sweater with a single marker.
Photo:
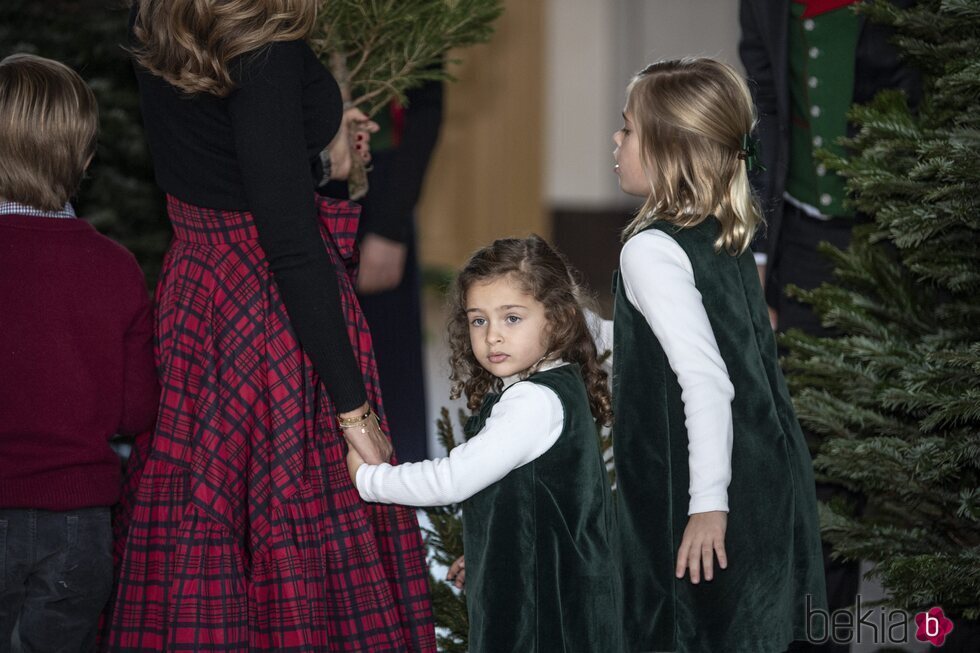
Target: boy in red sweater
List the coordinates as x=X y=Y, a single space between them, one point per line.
x=76 y=364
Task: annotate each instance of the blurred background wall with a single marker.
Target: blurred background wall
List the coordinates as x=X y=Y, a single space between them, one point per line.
x=527 y=142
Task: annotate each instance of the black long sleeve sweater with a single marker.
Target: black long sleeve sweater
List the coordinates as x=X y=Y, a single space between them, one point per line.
x=257 y=150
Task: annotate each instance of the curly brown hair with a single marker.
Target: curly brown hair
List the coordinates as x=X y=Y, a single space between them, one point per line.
x=190 y=43
x=545 y=275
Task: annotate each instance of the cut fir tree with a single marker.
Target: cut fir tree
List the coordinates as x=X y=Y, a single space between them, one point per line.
x=895 y=396
x=379 y=49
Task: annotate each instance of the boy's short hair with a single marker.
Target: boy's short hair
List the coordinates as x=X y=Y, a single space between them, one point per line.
x=48 y=127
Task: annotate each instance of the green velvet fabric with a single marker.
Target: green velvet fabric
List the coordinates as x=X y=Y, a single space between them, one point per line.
x=758 y=604
x=542 y=573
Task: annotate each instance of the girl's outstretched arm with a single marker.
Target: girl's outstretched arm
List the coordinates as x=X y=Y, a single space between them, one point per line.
x=524 y=424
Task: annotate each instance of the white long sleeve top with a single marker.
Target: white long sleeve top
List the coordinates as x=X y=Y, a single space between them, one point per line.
x=659 y=281
x=522 y=426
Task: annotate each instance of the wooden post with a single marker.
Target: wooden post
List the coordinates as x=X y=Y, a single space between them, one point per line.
x=485 y=181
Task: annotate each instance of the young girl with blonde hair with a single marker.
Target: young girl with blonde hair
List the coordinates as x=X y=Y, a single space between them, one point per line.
x=538 y=529
x=712 y=467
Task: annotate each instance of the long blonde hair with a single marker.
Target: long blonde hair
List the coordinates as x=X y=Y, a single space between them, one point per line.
x=690 y=116
x=190 y=43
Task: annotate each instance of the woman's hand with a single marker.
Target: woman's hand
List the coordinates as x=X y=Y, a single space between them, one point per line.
x=457 y=573
x=352 y=139
x=354 y=462
x=703 y=538
x=382 y=264
x=366 y=437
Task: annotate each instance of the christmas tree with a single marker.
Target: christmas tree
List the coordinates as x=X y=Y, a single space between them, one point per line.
x=444 y=540
x=896 y=396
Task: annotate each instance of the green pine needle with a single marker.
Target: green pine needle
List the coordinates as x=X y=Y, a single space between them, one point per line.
x=894 y=397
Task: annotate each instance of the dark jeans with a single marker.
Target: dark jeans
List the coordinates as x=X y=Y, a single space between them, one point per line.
x=55 y=577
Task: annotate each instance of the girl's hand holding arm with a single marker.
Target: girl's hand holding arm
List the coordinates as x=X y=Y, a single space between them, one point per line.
x=364 y=435
x=524 y=424
x=703 y=538
x=354 y=462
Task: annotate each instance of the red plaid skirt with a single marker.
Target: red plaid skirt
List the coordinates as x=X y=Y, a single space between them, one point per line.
x=240 y=529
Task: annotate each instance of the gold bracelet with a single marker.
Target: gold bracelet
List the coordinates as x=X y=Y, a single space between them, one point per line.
x=348 y=422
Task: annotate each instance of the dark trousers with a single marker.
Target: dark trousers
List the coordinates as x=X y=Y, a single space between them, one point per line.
x=55 y=577
x=800 y=264
x=395 y=318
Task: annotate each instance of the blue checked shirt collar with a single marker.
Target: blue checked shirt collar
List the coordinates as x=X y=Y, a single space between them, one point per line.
x=16 y=208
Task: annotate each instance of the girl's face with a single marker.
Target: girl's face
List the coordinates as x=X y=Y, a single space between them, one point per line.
x=627 y=155
x=508 y=327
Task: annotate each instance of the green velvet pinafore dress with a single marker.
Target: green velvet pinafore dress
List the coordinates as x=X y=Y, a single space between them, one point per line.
x=542 y=572
x=757 y=605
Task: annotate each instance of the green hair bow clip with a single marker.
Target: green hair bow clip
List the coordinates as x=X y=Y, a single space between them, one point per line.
x=750 y=153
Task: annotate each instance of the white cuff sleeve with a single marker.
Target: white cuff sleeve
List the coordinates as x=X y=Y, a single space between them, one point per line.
x=524 y=424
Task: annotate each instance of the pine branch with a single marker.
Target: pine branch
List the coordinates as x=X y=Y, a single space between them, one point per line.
x=445 y=541
x=389 y=46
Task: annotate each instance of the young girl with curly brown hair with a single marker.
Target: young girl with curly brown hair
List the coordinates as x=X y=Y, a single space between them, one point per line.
x=541 y=569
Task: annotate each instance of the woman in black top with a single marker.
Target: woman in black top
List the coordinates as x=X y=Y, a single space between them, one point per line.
x=243 y=531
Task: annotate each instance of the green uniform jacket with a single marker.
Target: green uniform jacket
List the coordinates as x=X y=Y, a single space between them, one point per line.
x=758 y=604
x=542 y=574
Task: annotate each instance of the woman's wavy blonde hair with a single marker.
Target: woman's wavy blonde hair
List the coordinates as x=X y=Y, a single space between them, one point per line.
x=545 y=275
x=690 y=116
x=190 y=43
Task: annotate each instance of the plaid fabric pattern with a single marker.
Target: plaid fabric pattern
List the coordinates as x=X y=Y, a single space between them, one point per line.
x=240 y=529
x=16 y=208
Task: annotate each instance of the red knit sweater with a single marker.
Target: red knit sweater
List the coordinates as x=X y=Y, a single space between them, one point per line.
x=76 y=362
